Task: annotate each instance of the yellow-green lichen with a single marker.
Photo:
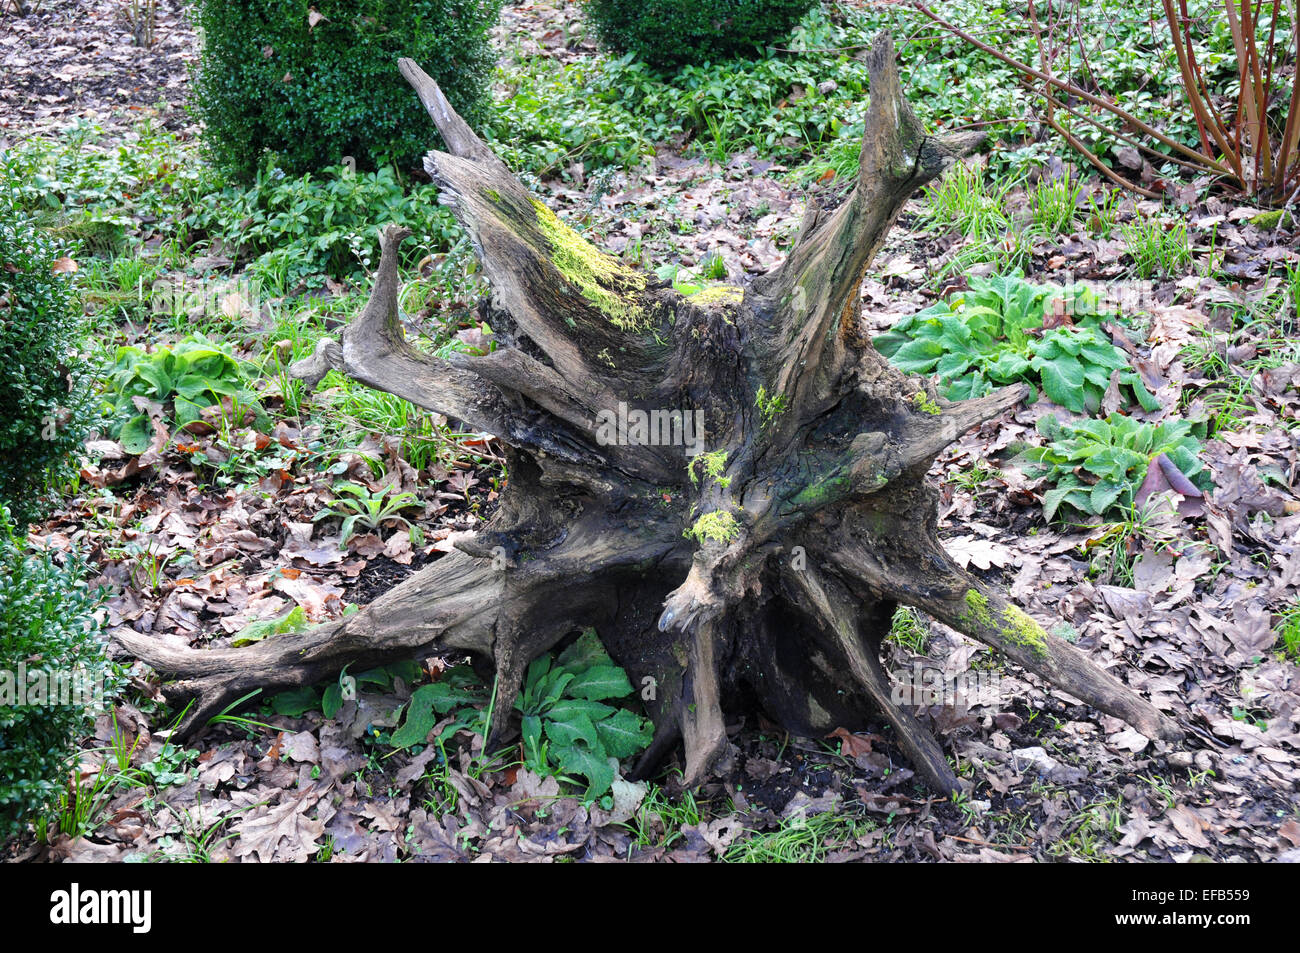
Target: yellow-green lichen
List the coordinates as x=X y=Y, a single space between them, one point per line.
x=602 y=279
x=1019 y=628
x=493 y=194
x=711 y=463
x=1271 y=219
x=1016 y=627
x=924 y=403
x=719 y=526
x=977 y=610
x=719 y=294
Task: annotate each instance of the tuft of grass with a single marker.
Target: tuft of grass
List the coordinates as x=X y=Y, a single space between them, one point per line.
x=1229 y=399
x=800 y=839
x=1113 y=548
x=1290 y=321
x=1090 y=832
x=909 y=630
x=1055 y=202
x=659 y=820
x=355 y=410
x=976 y=476
x=1011 y=253
x=971 y=201
x=1157 y=250
x=1288 y=631
x=1103 y=215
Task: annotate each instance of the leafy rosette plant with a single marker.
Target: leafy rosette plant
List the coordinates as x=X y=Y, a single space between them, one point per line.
x=566 y=722
x=1099 y=465
x=191 y=376
x=993 y=335
x=567 y=725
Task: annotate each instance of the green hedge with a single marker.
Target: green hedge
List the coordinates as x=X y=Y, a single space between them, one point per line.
x=45 y=383
x=47 y=623
x=270 y=80
x=672 y=33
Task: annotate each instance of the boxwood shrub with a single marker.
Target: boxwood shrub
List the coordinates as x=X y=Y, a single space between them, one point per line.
x=671 y=33
x=47 y=625
x=313 y=81
x=45 y=382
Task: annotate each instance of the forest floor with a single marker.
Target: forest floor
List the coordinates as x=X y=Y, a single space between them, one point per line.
x=1191 y=597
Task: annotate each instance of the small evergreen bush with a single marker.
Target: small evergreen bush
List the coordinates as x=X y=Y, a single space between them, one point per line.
x=47 y=624
x=313 y=81
x=671 y=33
x=45 y=383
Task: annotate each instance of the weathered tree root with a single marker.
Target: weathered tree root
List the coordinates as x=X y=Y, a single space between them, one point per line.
x=767 y=565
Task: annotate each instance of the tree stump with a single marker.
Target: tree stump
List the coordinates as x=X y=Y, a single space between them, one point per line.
x=729 y=486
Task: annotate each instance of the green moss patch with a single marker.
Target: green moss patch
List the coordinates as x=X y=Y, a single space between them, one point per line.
x=977 y=610
x=602 y=279
x=924 y=403
x=1019 y=628
x=1016 y=625
x=719 y=294
x=711 y=463
x=719 y=526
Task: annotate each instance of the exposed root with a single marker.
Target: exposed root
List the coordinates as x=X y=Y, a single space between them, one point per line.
x=703 y=730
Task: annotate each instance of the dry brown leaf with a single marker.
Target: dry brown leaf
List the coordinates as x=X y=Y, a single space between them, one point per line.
x=1190 y=825
x=283 y=833
x=984 y=553
x=1175 y=323
x=852 y=745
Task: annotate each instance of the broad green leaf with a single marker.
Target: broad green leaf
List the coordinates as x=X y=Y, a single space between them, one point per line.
x=1052 y=501
x=1008 y=367
x=591 y=763
x=952 y=365
x=445 y=694
x=531 y=735
x=918 y=357
x=552 y=687
x=295 y=702
x=566 y=709
x=332 y=700
x=1063 y=383
x=137 y=434
x=428 y=703
x=600 y=682
x=1144 y=397
x=537 y=669
x=380 y=677
x=567 y=733
x=188 y=411
x=1103 y=496
x=584 y=653
x=409 y=671
x=625 y=734
x=157 y=378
